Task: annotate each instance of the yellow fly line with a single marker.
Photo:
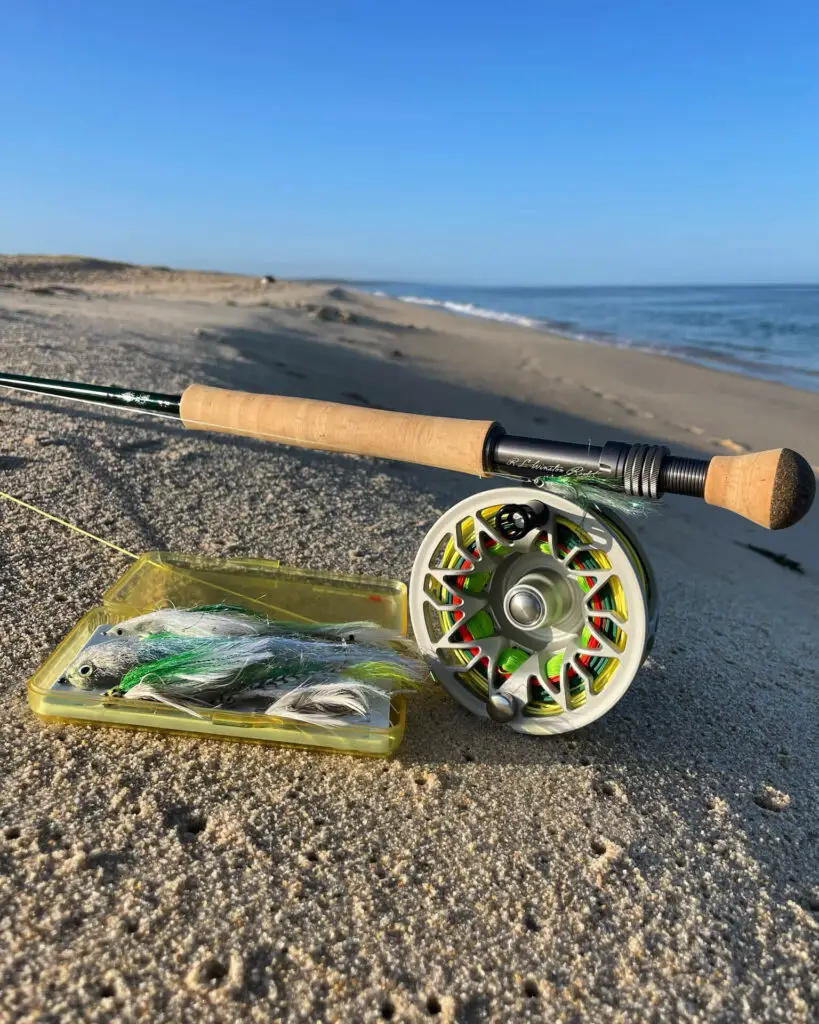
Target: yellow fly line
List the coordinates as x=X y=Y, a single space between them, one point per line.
x=130 y=554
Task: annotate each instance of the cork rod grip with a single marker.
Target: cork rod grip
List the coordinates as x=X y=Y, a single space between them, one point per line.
x=774 y=489
x=452 y=444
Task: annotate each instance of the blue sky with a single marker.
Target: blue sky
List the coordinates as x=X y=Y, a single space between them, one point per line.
x=475 y=142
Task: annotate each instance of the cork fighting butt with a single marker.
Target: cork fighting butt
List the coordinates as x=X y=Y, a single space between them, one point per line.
x=774 y=489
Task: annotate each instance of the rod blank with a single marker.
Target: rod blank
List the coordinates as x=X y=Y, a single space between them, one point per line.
x=774 y=489
x=120 y=398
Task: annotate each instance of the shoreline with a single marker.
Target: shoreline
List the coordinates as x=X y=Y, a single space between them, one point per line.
x=626 y=391
x=722 y=362
x=656 y=394
x=104 y=275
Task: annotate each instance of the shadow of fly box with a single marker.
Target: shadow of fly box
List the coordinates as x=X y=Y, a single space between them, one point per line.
x=165 y=580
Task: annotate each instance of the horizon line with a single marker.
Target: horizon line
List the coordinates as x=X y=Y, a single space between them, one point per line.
x=367 y=280
x=535 y=287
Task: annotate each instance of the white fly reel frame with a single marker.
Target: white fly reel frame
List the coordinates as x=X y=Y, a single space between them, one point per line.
x=532 y=610
x=529 y=608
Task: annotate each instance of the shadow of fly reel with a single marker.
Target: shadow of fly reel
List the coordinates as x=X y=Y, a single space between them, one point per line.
x=535 y=613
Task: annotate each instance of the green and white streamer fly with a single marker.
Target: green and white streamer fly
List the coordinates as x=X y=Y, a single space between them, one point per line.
x=589 y=492
x=315 y=679
x=224 y=620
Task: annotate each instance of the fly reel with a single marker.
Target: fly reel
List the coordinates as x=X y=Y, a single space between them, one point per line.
x=531 y=610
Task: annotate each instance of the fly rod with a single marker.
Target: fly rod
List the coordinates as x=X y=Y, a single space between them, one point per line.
x=534 y=604
x=773 y=488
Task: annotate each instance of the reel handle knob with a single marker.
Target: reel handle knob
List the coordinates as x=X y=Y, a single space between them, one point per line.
x=774 y=489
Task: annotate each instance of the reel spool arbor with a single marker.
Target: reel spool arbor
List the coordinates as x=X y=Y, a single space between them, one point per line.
x=531 y=610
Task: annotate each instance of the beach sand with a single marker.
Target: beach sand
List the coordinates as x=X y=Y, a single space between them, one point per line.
x=659 y=865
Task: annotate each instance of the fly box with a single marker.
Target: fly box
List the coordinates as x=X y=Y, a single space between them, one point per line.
x=283 y=593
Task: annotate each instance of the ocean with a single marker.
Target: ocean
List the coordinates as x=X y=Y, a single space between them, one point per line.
x=766 y=331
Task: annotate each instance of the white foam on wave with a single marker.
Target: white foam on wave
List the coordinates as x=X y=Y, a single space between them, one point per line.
x=794 y=376
x=606 y=340
x=467 y=309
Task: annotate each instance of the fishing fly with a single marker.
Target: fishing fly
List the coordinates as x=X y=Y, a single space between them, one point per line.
x=225 y=620
x=178 y=668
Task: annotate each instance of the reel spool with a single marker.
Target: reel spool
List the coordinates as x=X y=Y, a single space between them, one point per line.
x=531 y=610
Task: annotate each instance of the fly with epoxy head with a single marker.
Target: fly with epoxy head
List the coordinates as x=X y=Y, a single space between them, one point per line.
x=178 y=669
x=104 y=665
x=223 y=620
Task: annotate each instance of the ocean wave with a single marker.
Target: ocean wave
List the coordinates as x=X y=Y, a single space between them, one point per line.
x=467 y=309
x=564 y=328
x=746 y=351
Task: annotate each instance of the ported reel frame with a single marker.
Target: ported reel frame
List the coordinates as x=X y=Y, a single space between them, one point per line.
x=544 y=630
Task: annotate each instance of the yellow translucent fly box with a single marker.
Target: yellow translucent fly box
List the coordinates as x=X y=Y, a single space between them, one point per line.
x=162 y=580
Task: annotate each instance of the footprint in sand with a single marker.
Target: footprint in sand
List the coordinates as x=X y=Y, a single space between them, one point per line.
x=632 y=410
x=699 y=431
x=148 y=445
x=288 y=372
x=732 y=446
x=10 y=462
x=354 y=396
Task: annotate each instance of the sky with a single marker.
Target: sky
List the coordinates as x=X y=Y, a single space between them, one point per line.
x=459 y=141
